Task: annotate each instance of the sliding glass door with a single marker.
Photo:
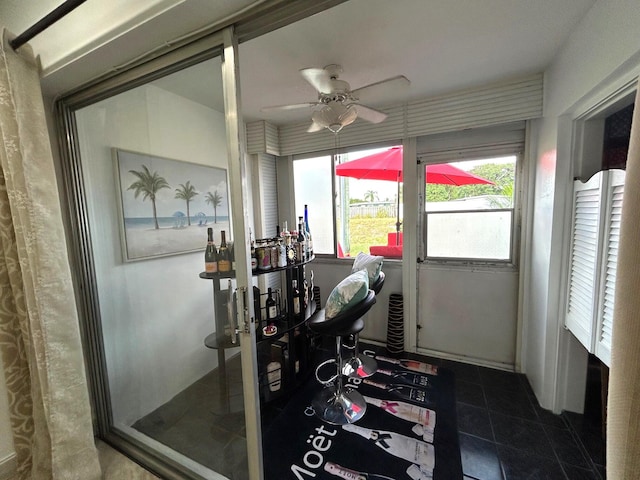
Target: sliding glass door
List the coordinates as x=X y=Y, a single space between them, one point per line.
x=155 y=172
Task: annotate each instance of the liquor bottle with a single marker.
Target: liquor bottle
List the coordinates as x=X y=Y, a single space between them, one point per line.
x=224 y=257
x=348 y=474
x=407 y=448
x=271 y=307
x=413 y=365
x=410 y=378
x=302 y=240
x=296 y=297
x=299 y=246
x=291 y=248
x=406 y=411
x=282 y=253
x=405 y=392
x=210 y=254
x=307 y=230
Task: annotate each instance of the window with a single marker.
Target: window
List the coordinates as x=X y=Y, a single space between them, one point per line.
x=312 y=181
x=366 y=211
x=469 y=201
x=469 y=209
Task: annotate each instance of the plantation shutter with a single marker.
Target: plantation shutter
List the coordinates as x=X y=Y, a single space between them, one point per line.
x=610 y=260
x=584 y=259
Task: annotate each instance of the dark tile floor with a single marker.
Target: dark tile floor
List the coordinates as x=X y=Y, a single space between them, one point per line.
x=504 y=433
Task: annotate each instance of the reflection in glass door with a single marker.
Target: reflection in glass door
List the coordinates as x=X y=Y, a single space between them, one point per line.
x=156 y=178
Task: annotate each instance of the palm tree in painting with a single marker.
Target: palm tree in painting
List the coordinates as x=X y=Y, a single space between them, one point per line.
x=215 y=200
x=186 y=192
x=148 y=184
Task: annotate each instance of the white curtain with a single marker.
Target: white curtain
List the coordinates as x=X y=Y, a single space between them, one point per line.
x=40 y=344
x=623 y=419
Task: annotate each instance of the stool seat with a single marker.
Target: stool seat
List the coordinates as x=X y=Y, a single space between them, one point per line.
x=346 y=323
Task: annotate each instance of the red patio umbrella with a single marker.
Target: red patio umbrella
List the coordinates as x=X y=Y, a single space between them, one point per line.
x=387 y=165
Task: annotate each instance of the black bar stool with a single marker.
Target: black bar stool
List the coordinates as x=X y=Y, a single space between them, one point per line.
x=336 y=403
x=360 y=365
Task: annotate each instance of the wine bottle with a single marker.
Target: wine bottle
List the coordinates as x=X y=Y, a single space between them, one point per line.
x=348 y=474
x=271 y=307
x=406 y=411
x=308 y=230
x=407 y=448
x=296 y=297
x=410 y=378
x=405 y=392
x=224 y=257
x=210 y=254
x=413 y=365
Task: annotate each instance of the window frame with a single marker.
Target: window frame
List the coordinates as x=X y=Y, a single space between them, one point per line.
x=516 y=216
x=334 y=154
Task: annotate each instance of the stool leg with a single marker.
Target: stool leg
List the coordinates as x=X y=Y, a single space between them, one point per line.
x=359 y=365
x=338 y=404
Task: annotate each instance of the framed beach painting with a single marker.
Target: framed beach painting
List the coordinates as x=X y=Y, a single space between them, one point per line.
x=166 y=205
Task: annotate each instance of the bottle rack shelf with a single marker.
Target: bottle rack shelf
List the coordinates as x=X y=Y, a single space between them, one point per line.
x=290 y=346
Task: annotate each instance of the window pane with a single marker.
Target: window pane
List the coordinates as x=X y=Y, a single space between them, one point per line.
x=459 y=199
x=366 y=206
x=479 y=235
x=445 y=192
x=312 y=185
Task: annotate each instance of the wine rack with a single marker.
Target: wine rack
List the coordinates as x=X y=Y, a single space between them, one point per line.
x=291 y=346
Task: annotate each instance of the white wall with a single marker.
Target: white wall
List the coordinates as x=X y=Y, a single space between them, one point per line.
x=155 y=313
x=602 y=52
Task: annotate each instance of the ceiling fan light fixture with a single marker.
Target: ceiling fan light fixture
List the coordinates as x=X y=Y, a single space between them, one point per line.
x=335 y=116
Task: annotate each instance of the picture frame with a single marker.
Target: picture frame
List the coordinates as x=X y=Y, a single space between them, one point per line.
x=166 y=205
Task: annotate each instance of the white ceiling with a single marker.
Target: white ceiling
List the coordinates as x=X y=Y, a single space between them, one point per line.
x=440 y=46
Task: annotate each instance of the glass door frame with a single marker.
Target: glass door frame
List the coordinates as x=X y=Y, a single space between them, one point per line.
x=224 y=44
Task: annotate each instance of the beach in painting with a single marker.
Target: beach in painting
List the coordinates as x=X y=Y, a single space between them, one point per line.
x=173 y=236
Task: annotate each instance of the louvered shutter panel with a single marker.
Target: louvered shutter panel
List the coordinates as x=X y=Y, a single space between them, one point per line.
x=584 y=260
x=269 y=210
x=610 y=260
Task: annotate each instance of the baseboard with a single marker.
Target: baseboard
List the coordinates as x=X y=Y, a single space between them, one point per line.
x=8 y=467
x=464 y=359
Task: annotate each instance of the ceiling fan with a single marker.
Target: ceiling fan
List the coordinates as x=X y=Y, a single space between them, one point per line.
x=337 y=105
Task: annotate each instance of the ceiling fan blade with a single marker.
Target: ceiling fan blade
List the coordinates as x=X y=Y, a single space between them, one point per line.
x=293 y=106
x=369 y=114
x=375 y=91
x=314 y=127
x=319 y=78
